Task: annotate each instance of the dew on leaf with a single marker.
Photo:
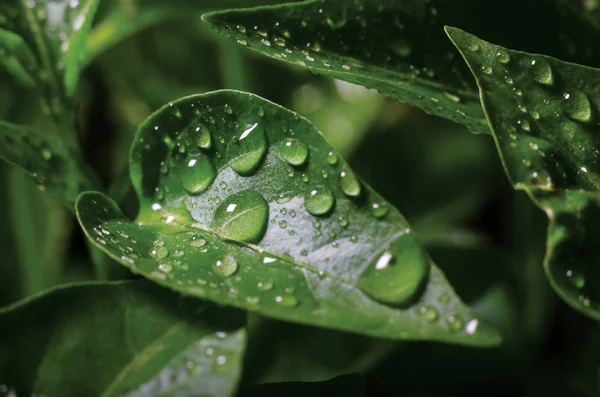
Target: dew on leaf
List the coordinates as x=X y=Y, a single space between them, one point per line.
x=541 y=72
x=319 y=200
x=429 y=313
x=242 y=216
x=456 y=322
x=349 y=184
x=379 y=210
x=203 y=137
x=159 y=252
x=246 y=152
x=577 y=106
x=198 y=174
x=293 y=151
x=286 y=301
x=332 y=158
x=265 y=285
x=225 y=267
x=397 y=273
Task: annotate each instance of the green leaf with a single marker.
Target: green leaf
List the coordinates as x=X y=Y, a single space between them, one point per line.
x=543 y=113
x=123 y=19
x=225 y=216
x=55 y=32
x=46 y=159
x=346 y=385
x=112 y=339
x=398 y=46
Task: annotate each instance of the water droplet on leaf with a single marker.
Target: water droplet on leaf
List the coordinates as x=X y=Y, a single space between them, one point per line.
x=319 y=200
x=248 y=150
x=242 y=216
x=293 y=151
x=397 y=273
x=198 y=174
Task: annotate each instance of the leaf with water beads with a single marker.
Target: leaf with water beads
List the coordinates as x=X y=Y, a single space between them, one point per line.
x=543 y=113
x=121 y=338
x=278 y=238
x=398 y=46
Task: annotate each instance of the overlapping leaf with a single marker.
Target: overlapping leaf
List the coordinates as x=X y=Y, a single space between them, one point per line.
x=124 y=338
x=243 y=202
x=399 y=47
x=46 y=159
x=544 y=116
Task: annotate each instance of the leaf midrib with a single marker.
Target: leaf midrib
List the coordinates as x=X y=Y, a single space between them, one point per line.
x=146 y=354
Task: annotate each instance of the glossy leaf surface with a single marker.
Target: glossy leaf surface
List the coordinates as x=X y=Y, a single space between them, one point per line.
x=46 y=159
x=54 y=32
x=233 y=221
x=543 y=113
x=407 y=55
x=124 y=338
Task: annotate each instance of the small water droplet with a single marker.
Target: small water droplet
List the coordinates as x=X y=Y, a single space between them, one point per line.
x=286 y=300
x=246 y=152
x=265 y=285
x=349 y=184
x=577 y=106
x=228 y=109
x=293 y=151
x=456 y=322
x=197 y=241
x=541 y=72
x=225 y=267
x=397 y=274
x=203 y=137
x=379 y=210
x=332 y=158
x=319 y=200
x=429 y=313
x=159 y=252
x=198 y=174
x=502 y=56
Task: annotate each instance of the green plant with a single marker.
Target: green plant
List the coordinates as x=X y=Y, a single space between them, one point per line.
x=230 y=246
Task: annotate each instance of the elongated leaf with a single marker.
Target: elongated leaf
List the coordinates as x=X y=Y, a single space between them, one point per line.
x=45 y=158
x=398 y=46
x=543 y=113
x=346 y=386
x=119 y=20
x=55 y=32
x=124 y=338
x=243 y=202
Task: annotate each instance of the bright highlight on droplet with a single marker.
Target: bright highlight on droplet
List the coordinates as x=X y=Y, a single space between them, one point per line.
x=471 y=327
x=231 y=207
x=384 y=260
x=248 y=131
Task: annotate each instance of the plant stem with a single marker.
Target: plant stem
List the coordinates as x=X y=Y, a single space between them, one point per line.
x=233 y=66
